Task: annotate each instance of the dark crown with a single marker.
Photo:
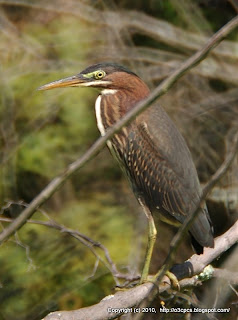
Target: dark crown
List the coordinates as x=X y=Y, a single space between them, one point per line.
x=108 y=67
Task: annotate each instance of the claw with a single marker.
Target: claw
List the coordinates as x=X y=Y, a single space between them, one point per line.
x=173 y=280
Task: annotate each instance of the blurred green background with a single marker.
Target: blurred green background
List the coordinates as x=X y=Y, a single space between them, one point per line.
x=43 y=269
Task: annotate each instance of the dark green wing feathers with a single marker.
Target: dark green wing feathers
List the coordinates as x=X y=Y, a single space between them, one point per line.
x=168 y=180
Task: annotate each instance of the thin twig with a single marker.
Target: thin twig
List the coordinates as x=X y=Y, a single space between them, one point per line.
x=85 y=240
x=234 y=290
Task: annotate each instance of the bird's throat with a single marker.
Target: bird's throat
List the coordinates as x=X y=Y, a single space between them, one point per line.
x=98 y=111
x=106 y=112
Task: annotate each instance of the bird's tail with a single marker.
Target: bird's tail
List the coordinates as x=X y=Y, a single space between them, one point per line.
x=202 y=231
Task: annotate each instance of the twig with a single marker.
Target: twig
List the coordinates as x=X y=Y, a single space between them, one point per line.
x=85 y=240
x=27 y=249
x=57 y=182
x=234 y=3
x=234 y=290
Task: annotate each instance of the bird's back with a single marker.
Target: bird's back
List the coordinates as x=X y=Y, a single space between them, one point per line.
x=162 y=171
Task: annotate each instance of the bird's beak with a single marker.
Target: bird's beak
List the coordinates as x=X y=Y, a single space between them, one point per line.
x=73 y=81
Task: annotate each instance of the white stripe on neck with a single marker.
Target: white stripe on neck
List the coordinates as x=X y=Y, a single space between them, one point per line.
x=98 y=115
x=100 y=125
x=109 y=91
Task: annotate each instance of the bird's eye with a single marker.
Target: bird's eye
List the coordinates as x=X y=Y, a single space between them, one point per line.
x=99 y=74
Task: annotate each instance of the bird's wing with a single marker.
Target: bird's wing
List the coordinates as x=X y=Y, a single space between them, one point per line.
x=161 y=165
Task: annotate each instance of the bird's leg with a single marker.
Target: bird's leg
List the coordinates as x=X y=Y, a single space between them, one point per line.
x=151 y=240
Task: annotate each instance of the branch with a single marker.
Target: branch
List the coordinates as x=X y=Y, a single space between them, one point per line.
x=57 y=182
x=234 y=3
x=130 y=298
x=226 y=164
x=211 y=68
x=198 y=262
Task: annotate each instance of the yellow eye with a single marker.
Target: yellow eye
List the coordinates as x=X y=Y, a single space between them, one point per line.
x=99 y=74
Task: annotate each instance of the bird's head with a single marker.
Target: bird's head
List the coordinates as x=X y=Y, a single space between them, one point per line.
x=102 y=76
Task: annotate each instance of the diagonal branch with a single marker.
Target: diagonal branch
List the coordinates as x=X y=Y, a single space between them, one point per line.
x=57 y=182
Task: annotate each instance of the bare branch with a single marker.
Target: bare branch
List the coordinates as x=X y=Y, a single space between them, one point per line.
x=126 y=300
x=211 y=68
x=222 y=285
x=234 y=3
x=57 y=182
x=226 y=164
x=198 y=262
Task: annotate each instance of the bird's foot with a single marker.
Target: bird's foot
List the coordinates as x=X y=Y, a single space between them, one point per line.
x=168 y=278
x=173 y=280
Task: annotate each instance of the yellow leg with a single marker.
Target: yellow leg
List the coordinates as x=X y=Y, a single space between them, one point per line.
x=151 y=241
x=172 y=277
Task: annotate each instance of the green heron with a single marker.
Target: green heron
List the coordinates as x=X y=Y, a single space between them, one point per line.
x=150 y=150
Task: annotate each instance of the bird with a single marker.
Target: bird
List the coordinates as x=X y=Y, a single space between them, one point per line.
x=150 y=150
